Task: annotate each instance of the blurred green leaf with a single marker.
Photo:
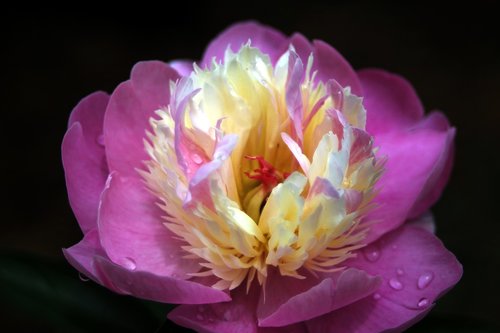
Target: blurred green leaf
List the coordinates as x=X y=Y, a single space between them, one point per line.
x=40 y=294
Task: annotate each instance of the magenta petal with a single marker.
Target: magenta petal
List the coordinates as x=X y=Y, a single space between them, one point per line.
x=267 y=39
x=391 y=102
x=223 y=150
x=293 y=95
x=183 y=67
x=84 y=159
x=80 y=256
x=89 y=258
x=442 y=170
x=131 y=106
x=238 y=315
x=302 y=46
x=311 y=297
x=411 y=158
x=417 y=260
x=434 y=120
x=132 y=232
x=367 y=316
x=90 y=114
x=416 y=270
x=330 y=64
x=153 y=287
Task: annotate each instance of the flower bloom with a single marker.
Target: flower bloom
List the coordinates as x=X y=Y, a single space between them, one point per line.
x=268 y=187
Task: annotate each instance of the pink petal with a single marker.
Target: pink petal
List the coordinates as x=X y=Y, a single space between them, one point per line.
x=293 y=94
x=323 y=186
x=223 y=150
x=199 y=186
x=90 y=114
x=84 y=159
x=361 y=147
x=302 y=46
x=391 y=102
x=416 y=270
x=329 y=63
x=367 y=316
x=183 y=143
x=297 y=152
x=131 y=106
x=267 y=39
x=132 y=232
x=434 y=120
x=411 y=158
x=311 y=297
x=150 y=286
x=80 y=256
x=442 y=170
x=183 y=67
x=89 y=258
x=238 y=315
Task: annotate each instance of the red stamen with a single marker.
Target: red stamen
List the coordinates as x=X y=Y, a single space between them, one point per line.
x=266 y=173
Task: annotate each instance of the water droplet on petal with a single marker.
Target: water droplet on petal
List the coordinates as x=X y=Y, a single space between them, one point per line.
x=376 y=296
x=424 y=302
x=424 y=280
x=400 y=272
x=83 y=277
x=394 y=247
x=129 y=263
x=395 y=284
x=372 y=253
x=100 y=140
x=200 y=317
x=210 y=319
x=196 y=158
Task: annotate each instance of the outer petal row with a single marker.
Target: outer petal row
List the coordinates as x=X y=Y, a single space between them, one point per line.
x=416 y=270
x=131 y=106
x=87 y=257
x=311 y=297
x=128 y=210
x=84 y=158
x=132 y=233
x=413 y=256
x=415 y=163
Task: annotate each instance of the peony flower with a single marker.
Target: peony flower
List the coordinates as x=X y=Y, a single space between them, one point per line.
x=268 y=187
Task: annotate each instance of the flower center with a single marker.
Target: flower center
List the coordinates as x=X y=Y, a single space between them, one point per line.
x=258 y=165
x=266 y=173
x=268 y=177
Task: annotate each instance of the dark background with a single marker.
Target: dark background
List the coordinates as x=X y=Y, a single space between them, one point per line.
x=52 y=58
